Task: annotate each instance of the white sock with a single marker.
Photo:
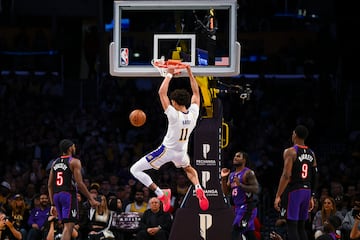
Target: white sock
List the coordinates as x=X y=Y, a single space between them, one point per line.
x=197 y=186
x=159 y=192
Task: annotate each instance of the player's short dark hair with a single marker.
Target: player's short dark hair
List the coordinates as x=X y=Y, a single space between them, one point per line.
x=245 y=155
x=302 y=131
x=65 y=144
x=181 y=97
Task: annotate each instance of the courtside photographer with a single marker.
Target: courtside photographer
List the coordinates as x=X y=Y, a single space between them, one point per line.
x=7 y=229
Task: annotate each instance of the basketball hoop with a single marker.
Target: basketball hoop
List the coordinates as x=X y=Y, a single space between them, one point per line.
x=163 y=66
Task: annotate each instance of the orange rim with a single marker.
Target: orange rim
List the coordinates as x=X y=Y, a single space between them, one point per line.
x=177 y=64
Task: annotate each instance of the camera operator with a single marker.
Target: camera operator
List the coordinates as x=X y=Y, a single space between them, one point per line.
x=349 y=218
x=54 y=229
x=7 y=229
x=355 y=232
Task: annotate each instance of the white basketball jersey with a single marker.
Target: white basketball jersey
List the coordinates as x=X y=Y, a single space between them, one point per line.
x=180 y=126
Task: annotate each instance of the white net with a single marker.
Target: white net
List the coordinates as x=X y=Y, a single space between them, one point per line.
x=163 y=66
x=159 y=64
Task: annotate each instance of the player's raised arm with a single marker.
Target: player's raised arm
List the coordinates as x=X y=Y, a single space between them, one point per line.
x=194 y=87
x=225 y=181
x=163 y=90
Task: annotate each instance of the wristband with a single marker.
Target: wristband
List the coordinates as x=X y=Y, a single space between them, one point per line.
x=169 y=75
x=159 y=227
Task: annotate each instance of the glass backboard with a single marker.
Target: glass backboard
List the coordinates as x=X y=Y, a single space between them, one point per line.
x=202 y=33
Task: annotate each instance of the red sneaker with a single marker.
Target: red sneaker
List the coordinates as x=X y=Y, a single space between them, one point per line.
x=166 y=199
x=203 y=201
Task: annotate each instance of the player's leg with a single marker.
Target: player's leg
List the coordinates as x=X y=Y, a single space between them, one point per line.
x=236 y=229
x=137 y=170
x=249 y=218
x=236 y=233
x=302 y=231
x=250 y=235
x=304 y=213
x=68 y=213
x=183 y=161
x=67 y=231
x=294 y=209
x=192 y=174
x=292 y=227
x=154 y=160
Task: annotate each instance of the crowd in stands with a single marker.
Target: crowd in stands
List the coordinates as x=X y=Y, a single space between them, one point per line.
x=34 y=121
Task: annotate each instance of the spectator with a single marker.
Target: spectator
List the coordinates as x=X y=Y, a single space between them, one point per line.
x=105 y=188
x=337 y=192
x=37 y=172
x=18 y=214
x=138 y=205
x=114 y=183
x=331 y=225
x=38 y=217
x=328 y=209
x=7 y=229
x=147 y=193
x=29 y=194
x=5 y=191
x=53 y=229
x=349 y=220
x=155 y=223
x=115 y=205
x=355 y=232
x=100 y=221
x=124 y=194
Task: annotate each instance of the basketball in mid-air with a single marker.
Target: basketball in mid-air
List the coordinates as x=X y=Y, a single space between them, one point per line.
x=137 y=117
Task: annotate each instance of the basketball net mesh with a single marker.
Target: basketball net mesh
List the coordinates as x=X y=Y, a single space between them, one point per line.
x=163 y=66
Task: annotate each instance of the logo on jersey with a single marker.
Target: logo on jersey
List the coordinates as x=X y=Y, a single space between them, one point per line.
x=205 y=224
x=244 y=223
x=282 y=212
x=73 y=213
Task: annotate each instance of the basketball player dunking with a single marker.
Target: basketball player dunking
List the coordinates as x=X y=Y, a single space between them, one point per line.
x=181 y=122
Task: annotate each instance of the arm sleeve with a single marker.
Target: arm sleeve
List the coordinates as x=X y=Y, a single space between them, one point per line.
x=314 y=180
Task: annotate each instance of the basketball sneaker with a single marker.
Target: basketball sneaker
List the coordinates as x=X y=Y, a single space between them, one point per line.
x=166 y=199
x=203 y=201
